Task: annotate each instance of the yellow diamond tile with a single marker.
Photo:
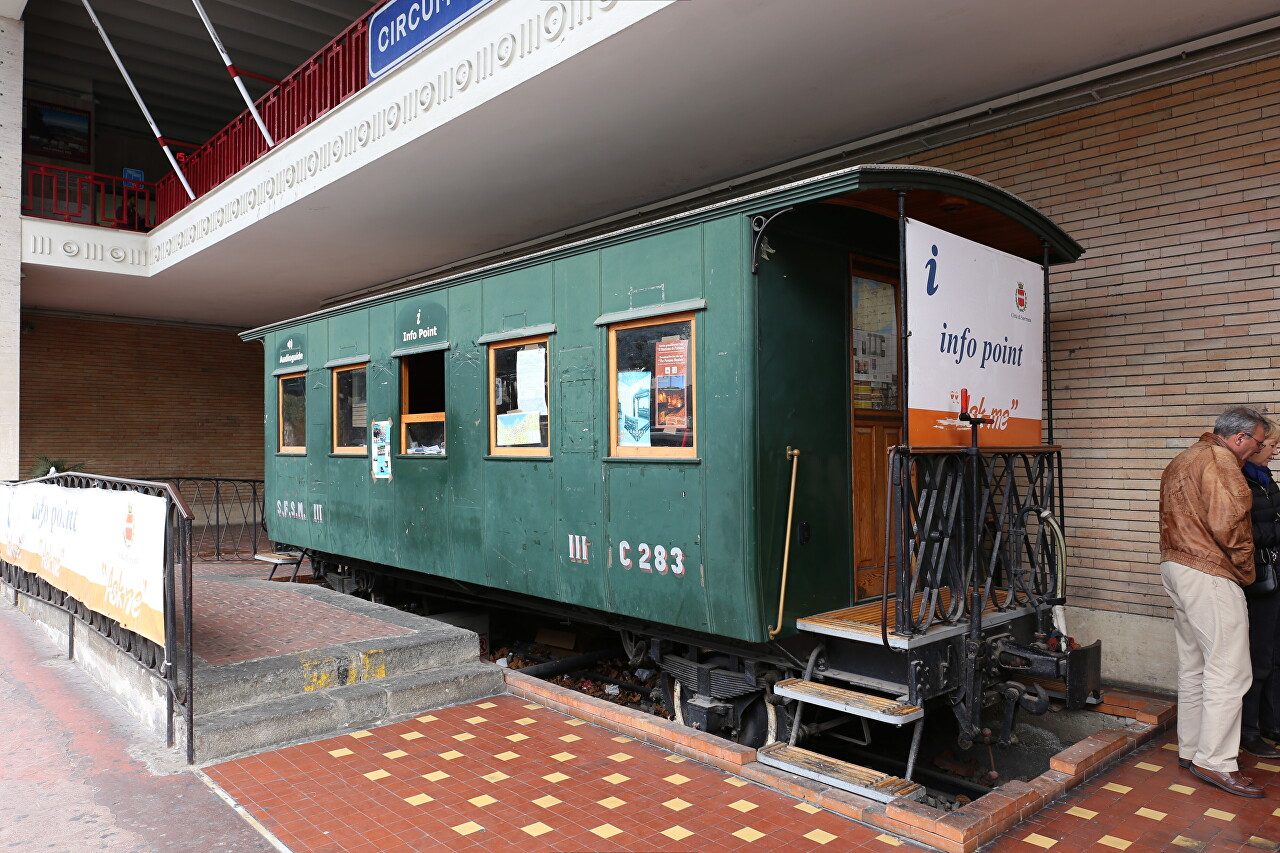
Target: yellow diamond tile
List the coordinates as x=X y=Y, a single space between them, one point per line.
x=677 y=833
x=808 y=809
x=482 y=801
x=616 y=779
x=555 y=777
x=1263 y=765
x=1117 y=843
x=743 y=806
x=375 y=775
x=677 y=805
x=676 y=759
x=507 y=756
x=1184 y=841
x=1172 y=747
x=1119 y=789
x=451 y=755
x=564 y=756
x=890 y=840
x=1276 y=813
x=338 y=753
x=525 y=721
x=620 y=739
x=418 y=799
x=1261 y=843
x=536 y=829
x=429 y=718
x=435 y=776
x=749 y=834
x=1087 y=814
x=1181 y=789
x=358 y=735
x=736 y=782
x=1151 y=813
x=516 y=738
x=607 y=830
x=1142 y=765
x=395 y=753
x=464 y=736
x=820 y=837
x=1218 y=814
x=467 y=828
x=676 y=779
x=620 y=757
x=491 y=705
x=611 y=802
x=530 y=706
x=547 y=802
x=412 y=735
x=495 y=776
x=1039 y=840
x=575 y=722
x=474 y=720
x=569 y=738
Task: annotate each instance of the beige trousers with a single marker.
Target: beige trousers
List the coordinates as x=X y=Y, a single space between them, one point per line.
x=1211 y=624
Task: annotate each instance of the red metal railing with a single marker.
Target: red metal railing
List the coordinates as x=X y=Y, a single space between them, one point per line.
x=334 y=73
x=72 y=195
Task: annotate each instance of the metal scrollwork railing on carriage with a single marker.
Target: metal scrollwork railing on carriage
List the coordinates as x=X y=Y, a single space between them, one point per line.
x=227 y=515
x=170 y=662
x=977 y=532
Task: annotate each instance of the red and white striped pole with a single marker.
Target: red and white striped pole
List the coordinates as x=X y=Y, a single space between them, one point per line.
x=145 y=112
x=235 y=74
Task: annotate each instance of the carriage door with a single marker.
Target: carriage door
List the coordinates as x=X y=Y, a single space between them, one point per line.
x=876 y=417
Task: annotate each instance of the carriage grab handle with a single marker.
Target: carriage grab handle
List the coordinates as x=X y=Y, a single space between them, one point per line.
x=794 y=456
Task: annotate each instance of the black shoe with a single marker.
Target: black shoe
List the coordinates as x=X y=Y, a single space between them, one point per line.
x=1184 y=762
x=1259 y=747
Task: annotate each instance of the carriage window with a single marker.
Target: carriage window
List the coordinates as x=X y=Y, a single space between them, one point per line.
x=651 y=387
x=518 y=419
x=292 y=414
x=875 y=345
x=350 y=410
x=422 y=404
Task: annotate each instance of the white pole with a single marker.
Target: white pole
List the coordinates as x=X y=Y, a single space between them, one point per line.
x=145 y=112
x=235 y=74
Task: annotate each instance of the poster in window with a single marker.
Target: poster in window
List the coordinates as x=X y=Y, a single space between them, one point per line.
x=531 y=380
x=381 y=450
x=634 y=422
x=518 y=429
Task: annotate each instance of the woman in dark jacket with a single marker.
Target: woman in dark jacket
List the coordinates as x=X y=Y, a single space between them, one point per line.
x=1262 y=702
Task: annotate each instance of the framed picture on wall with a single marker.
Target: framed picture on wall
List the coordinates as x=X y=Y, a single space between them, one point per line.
x=63 y=133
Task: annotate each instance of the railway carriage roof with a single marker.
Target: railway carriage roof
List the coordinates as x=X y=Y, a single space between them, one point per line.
x=962 y=204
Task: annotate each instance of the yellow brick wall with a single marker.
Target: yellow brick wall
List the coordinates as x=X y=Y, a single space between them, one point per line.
x=1171 y=316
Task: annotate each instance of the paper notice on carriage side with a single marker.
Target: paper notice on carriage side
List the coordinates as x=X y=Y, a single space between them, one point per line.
x=976 y=318
x=103 y=548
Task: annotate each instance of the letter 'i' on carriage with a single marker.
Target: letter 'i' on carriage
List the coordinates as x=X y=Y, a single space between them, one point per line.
x=794 y=446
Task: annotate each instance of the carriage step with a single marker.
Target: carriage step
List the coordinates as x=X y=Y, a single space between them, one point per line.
x=849 y=701
x=839 y=774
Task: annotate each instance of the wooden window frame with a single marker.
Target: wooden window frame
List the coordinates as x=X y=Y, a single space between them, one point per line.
x=406 y=418
x=351 y=450
x=530 y=452
x=690 y=452
x=281 y=447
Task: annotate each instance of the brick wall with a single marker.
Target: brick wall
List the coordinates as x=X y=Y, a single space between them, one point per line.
x=1171 y=316
x=135 y=400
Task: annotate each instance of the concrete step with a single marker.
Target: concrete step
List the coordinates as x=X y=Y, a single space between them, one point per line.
x=275 y=722
x=852 y=702
x=853 y=778
x=432 y=645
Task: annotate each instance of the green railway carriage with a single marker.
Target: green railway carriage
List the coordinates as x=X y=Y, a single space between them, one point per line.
x=605 y=426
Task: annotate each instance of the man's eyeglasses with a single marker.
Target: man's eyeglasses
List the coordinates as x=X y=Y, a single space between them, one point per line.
x=1257 y=440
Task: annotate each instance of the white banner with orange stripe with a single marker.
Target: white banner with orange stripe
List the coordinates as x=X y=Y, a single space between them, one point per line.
x=103 y=548
x=976 y=317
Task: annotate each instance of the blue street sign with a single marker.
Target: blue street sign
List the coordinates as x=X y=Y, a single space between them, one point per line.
x=403 y=27
x=133 y=178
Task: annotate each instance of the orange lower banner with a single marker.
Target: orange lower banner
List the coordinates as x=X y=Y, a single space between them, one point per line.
x=933 y=428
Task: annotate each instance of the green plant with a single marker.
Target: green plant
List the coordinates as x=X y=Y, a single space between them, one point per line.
x=45 y=464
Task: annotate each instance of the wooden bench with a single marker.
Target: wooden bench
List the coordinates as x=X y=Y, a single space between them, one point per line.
x=283 y=559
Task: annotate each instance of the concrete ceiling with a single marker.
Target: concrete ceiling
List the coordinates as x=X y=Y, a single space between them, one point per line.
x=697 y=93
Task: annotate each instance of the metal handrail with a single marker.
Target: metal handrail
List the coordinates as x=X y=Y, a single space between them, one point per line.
x=776 y=628
x=228 y=514
x=88 y=198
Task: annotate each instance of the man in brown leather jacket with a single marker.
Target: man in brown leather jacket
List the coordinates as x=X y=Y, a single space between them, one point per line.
x=1206 y=555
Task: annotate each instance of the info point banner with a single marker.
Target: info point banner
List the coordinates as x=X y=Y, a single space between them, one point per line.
x=103 y=548
x=976 y=318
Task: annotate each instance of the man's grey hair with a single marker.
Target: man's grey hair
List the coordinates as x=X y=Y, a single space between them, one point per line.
x=1239 y=419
